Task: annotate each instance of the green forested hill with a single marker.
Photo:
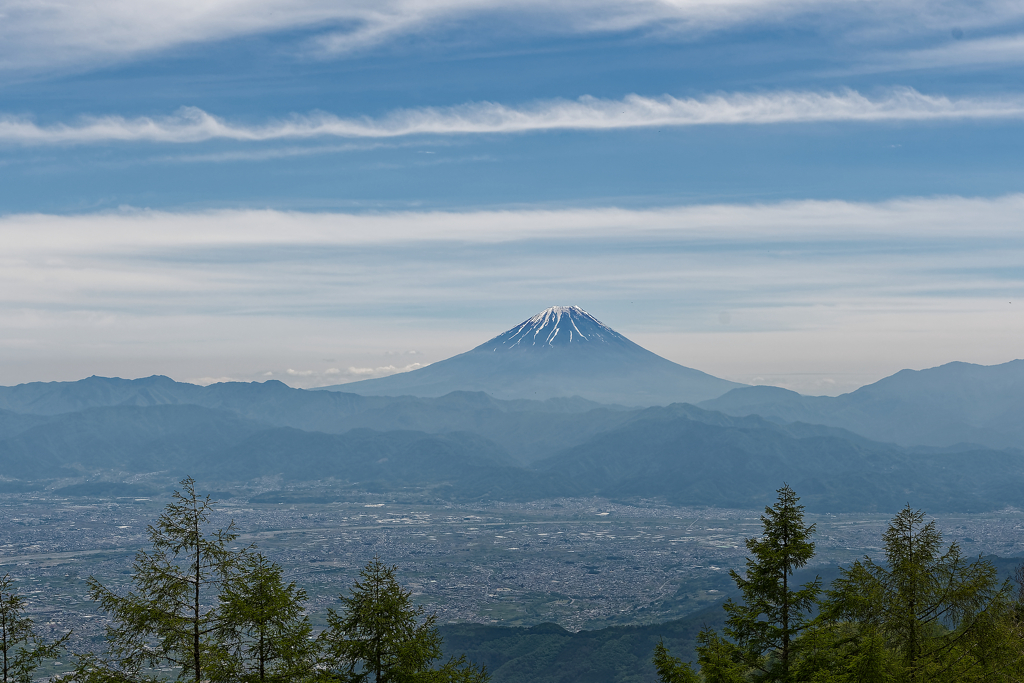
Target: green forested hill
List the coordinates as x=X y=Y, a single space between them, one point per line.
x=547 y=653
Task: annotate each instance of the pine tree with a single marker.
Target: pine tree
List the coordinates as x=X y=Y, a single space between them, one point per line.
x=774 y=611
x=22 y=649
x=170 y=617
x=381 y=637
x=263 y=632
x=940 y=617
x=762 y=630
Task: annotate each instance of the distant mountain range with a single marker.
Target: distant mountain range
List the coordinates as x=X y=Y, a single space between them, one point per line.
x=951 y=405
x=471 y=446
x=947 y=438
x=528 y=430
x=562 y=351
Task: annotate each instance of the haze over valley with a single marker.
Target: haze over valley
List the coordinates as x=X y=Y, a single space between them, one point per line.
x=948 y=436
x=553 y=320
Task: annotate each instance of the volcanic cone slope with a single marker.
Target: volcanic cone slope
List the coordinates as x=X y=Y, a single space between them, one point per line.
x=562 y=351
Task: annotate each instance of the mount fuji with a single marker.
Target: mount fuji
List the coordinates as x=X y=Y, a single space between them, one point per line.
x=562 y=351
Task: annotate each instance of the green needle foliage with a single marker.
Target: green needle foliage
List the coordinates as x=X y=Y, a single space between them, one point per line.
x=924 y=614
x=773 y=611
x=381 y=637
x=672 y=669
x=171 y=616
x=720 y=660
x=263 y=633
x=760 y=632
x=23 y=651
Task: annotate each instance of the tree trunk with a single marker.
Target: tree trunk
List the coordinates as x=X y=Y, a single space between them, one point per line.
x=195 y=622
x=5 y=641
x=785 y=623
x=263 y=657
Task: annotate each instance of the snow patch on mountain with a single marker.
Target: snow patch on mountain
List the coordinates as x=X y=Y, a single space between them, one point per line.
x=556 y=326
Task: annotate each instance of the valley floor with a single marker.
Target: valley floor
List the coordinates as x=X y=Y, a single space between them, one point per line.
x=583 y=563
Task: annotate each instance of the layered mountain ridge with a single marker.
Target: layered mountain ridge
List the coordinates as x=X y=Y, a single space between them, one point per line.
x=955 y=403
x=946 y=438
x=469 y=446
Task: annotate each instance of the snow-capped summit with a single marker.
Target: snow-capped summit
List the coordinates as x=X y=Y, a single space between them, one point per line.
x=556 y=326
x=561 y=351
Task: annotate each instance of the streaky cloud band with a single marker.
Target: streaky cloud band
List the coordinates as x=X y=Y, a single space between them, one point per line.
x=45 y=35
x=129 y=232
x=857 y=286
x=192 y=125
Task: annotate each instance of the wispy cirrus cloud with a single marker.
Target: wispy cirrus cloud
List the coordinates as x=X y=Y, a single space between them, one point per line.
x=985 y=51
x=135 y=236
x=192 y=125
x=55 y=34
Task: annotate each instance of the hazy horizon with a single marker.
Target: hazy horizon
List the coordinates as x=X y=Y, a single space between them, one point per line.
x=809 y=195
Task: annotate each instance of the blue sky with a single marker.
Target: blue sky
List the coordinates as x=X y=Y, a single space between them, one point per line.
x=809 y=194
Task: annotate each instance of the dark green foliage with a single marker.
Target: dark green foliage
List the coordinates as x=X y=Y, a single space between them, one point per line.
x=21 y=649
x=672 y=669
x=925 y=614
x=547 y=653
x=223 y=615
x=263 y=634
x=720 y=660
x=774 y=610
x=842 y=653
x=762 y=629
x=170 y=618
x=380 y=637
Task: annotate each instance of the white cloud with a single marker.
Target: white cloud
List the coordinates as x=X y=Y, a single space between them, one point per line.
x=45 y=35
x=207 y=381
x=331 y=376
x=845 y=289
x=58 y=242
x=272 y=153
x=352 y=374
x=191 y=125
x=984 y=51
